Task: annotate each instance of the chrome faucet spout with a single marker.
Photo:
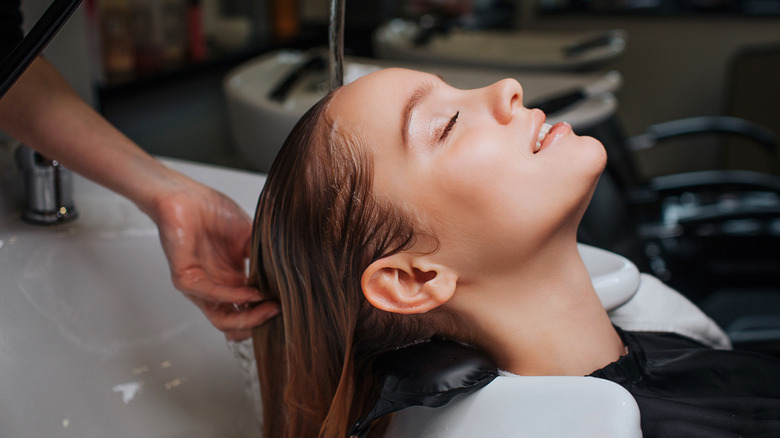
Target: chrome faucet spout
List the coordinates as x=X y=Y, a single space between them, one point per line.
x=48 y=187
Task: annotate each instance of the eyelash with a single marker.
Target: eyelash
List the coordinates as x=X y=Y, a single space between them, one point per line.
x=449 y=126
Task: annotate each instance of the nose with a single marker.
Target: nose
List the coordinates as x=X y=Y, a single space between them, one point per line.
x=505 y=97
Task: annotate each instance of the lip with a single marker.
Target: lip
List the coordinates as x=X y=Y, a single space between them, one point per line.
x=558 y=130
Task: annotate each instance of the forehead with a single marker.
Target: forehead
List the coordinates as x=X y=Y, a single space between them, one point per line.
x=375 y=99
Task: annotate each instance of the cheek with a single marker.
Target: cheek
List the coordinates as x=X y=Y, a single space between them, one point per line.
x=493 y=200
x=477 y=177
x=502 y=198
x=484 y=194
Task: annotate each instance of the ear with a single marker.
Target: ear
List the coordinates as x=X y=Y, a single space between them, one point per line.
x=407 y=283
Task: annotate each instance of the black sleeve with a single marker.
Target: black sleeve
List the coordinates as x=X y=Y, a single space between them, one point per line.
x=10 y=26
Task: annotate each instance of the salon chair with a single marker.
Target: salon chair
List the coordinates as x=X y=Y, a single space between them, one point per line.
x=713 y=235
x=440 y=388
x=721 y=223
x=706 y=231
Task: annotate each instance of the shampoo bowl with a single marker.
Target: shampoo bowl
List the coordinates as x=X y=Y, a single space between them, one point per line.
x=94 y=339
x=524 y=50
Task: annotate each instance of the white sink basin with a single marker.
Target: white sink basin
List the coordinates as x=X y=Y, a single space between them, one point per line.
x=95 y=341
x=614 y=277
x=525 y=49
x=260 y=124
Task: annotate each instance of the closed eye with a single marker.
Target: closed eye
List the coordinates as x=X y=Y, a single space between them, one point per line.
x=449 y=127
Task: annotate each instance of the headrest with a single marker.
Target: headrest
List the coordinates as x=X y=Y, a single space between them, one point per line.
x=429 y=373
x=614 y=277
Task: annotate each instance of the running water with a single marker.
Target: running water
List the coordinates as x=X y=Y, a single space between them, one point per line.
x=336 y=44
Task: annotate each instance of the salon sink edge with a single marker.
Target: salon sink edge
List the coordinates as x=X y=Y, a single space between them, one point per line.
x=94 y=339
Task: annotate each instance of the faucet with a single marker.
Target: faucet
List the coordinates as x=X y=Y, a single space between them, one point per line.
x=48 y=188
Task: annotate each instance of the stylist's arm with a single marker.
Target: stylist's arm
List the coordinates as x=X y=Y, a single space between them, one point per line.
x=205 y=235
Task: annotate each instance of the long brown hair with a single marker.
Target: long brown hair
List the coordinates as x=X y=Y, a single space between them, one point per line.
x=317 y=227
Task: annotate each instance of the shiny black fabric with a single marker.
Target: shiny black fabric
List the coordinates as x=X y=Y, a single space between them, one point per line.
x=428 y=374
x=10 y=26
x=684 y=389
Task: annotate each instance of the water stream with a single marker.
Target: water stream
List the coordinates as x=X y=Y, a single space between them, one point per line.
x=336 y=44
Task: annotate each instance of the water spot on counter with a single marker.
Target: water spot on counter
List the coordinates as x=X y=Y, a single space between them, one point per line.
x=175 y=382
x=140 y=370
x=104 y=296
x=108 y=234
x=128 y=390
x=166 y=364
x=65 y=422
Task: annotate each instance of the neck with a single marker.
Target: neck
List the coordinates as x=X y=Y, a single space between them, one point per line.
x=550 y=320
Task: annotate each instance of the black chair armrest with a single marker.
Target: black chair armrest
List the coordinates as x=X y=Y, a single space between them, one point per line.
x=711 y=179
x=661 y=187
x=706 y=124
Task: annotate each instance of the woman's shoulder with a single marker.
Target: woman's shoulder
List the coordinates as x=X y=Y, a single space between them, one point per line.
x=665 y=354
x=684 y=388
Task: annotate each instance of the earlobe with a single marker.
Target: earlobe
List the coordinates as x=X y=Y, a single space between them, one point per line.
x=406 y=283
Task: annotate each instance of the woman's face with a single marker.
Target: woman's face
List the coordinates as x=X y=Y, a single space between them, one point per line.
x=468 y=161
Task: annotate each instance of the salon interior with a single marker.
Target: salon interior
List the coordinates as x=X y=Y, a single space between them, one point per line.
x=96 y=342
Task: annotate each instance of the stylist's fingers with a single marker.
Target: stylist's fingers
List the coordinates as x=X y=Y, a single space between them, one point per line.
x=196 y=284
x=233 y=318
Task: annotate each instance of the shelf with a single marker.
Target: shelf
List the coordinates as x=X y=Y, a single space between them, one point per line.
x=221 y=63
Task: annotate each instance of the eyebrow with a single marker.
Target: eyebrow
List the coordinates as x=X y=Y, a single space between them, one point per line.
x=417 y=97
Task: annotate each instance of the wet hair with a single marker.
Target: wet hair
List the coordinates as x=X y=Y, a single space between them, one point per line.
x=318 y=226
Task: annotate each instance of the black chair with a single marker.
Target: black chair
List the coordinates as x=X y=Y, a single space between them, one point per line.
x=713 y=235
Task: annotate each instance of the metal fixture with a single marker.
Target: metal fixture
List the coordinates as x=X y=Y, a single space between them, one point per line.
x=336 y=44
x=48 y=188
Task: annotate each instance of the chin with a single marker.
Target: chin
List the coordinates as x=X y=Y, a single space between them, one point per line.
x=596 y=156
x=594 y=161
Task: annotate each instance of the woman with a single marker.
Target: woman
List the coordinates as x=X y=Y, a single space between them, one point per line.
x=401 y=208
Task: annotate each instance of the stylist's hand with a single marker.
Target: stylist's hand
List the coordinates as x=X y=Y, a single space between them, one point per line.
x=206 y=237
x=204 y=234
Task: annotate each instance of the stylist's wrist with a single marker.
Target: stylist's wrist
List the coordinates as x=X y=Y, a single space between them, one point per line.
x=162 y=186
x=206 y=238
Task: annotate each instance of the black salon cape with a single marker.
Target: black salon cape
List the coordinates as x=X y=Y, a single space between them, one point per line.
x=684 y=389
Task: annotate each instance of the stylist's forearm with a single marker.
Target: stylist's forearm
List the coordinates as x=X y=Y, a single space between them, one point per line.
x=204 y=234
x=42 y=111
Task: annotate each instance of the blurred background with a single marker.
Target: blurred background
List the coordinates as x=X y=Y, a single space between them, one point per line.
x=155 y=67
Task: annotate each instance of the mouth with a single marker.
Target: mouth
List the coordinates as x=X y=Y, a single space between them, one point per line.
x=543 y=131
